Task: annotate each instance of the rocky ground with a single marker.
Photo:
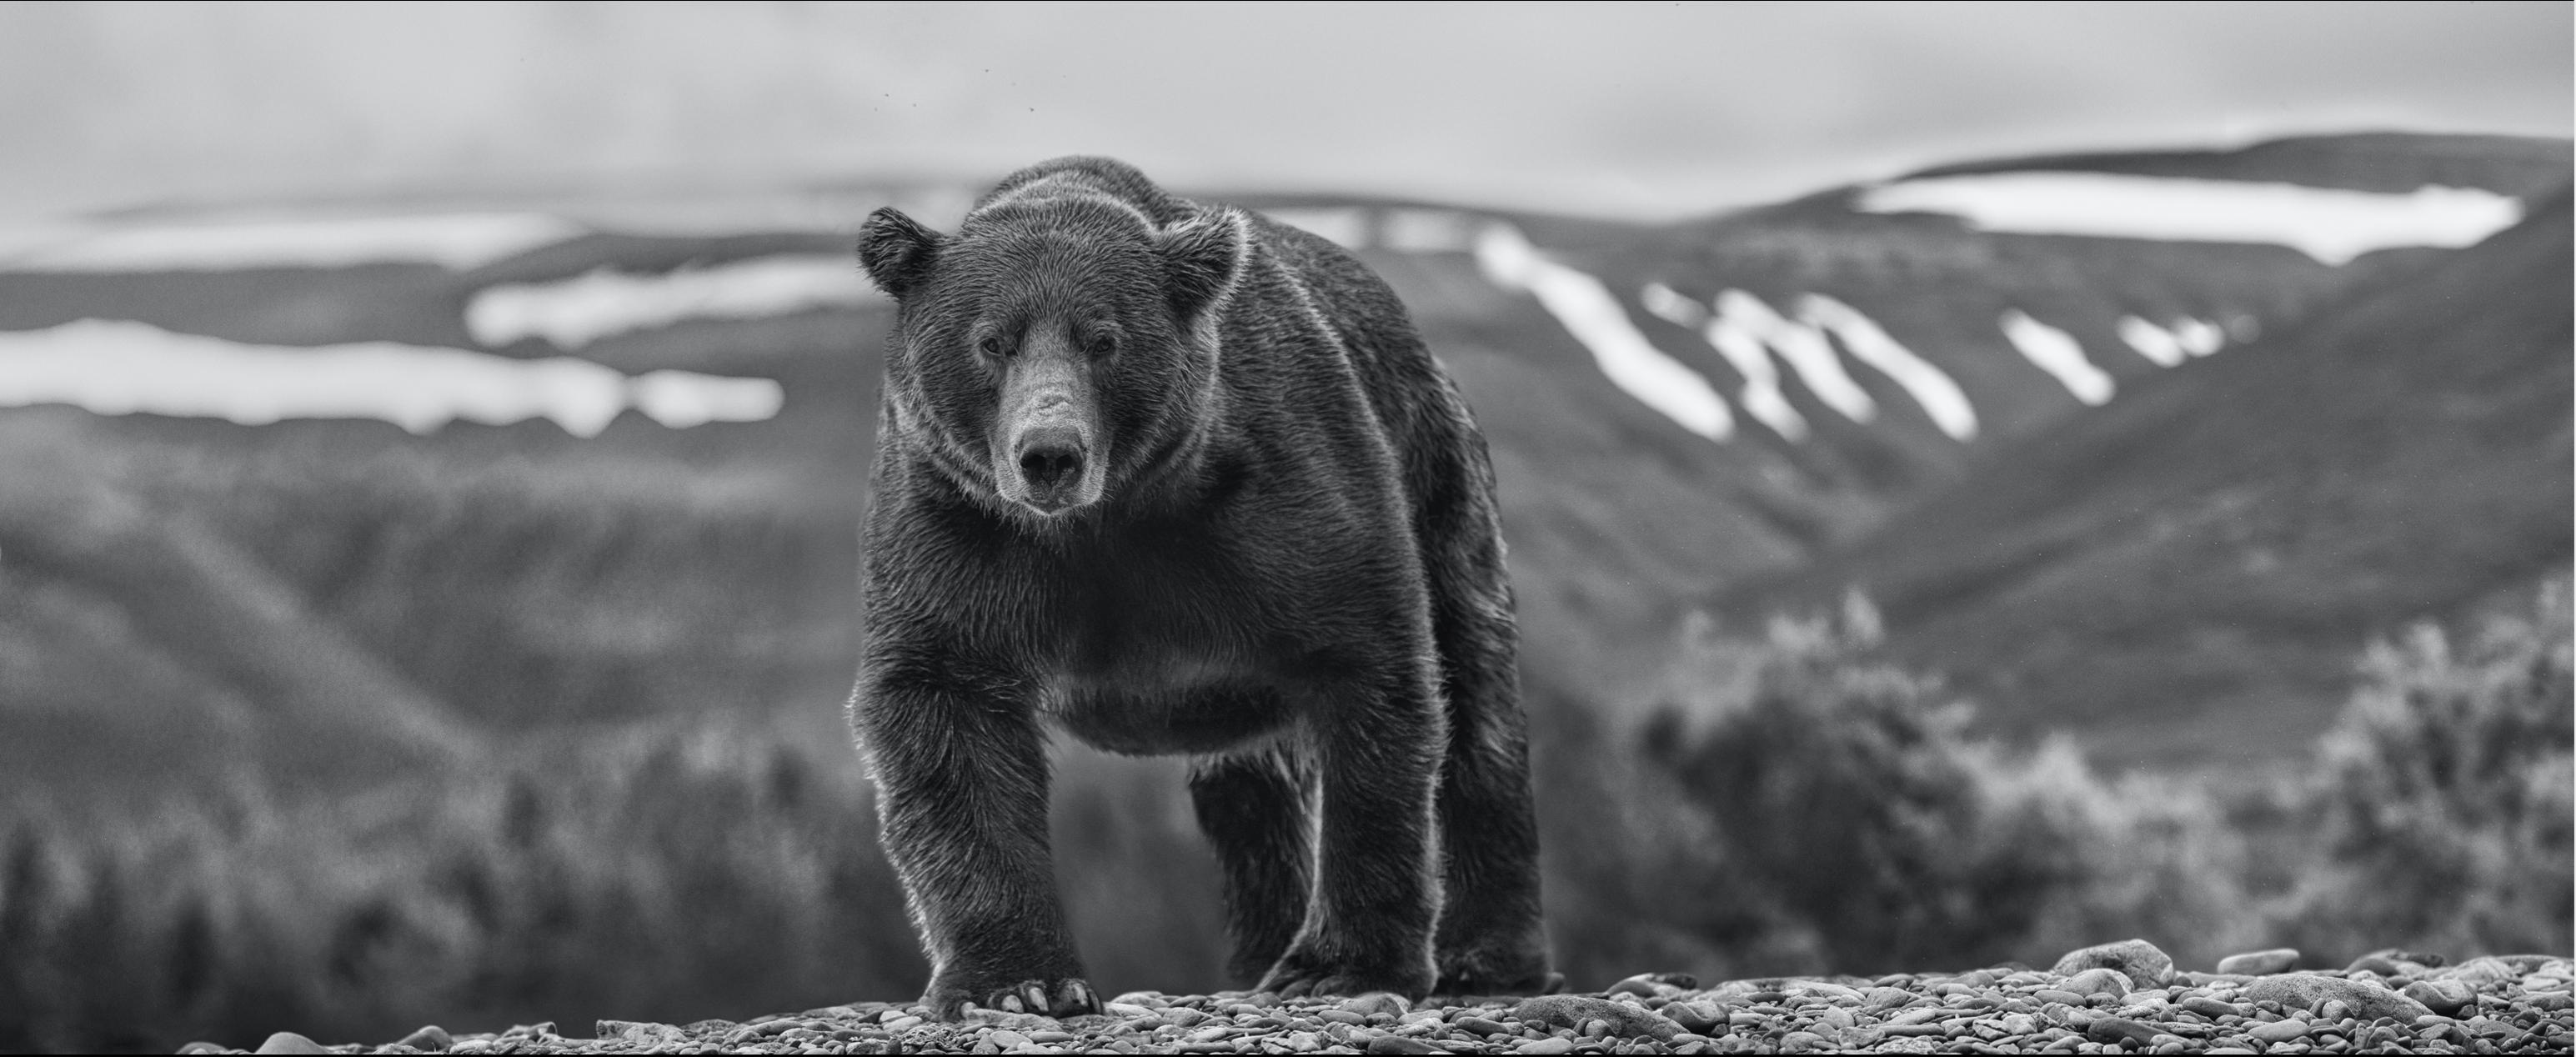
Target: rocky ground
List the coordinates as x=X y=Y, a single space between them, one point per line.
x=2116 y=998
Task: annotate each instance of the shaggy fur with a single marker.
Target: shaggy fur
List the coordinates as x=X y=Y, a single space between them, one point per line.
x=1177 y=479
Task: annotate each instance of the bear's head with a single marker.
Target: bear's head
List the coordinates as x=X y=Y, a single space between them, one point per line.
x=1058 y=349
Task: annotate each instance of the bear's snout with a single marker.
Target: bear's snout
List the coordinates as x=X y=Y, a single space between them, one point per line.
x=1051 y=461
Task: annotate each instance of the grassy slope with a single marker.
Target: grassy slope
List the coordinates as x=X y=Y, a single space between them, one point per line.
x=2183 y=575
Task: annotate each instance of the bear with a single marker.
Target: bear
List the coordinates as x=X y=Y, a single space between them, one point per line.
x=1173 y=478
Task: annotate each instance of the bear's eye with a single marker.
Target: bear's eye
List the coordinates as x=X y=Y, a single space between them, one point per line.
x=1100 y=344
x=991 y=345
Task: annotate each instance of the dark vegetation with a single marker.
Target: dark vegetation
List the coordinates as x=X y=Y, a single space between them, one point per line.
x=1833 y=816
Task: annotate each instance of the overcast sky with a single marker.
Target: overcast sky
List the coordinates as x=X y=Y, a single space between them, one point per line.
x=1644 y=109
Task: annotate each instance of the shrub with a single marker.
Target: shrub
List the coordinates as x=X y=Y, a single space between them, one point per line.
x=2439 y=806
x=1850 y=794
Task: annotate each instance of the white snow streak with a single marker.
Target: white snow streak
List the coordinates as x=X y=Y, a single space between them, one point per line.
x=2153 y=342
x=456 y=241
x=1941 y=398
x=2168 y=348
x=2329 y=224
x=2058 y=353
x=1805 y=349
x=1761 y=397
x=120 y=367
x=2199 y=337
x=1588 y=311
x=575 y=312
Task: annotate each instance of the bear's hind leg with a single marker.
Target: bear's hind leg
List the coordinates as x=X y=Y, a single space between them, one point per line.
x=1489 y=940
x=1376 y=737
x=1253 y=808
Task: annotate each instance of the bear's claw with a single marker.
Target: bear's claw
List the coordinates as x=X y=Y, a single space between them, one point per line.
x=1069 y=998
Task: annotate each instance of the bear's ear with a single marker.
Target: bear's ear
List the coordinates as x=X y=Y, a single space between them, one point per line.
x=896 y=250
x=1202 y=257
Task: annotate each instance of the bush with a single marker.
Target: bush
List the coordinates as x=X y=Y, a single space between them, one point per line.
x=2439 y=807
x=1849 y=795
x=678 y=875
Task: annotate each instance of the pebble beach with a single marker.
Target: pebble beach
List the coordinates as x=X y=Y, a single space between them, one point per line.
x=2122 y=997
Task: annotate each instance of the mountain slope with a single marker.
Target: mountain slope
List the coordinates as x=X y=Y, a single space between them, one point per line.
x=2183 y=575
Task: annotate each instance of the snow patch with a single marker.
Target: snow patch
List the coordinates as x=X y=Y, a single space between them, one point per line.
x=121 y=368
x=2058 y=353
x=1941 y=398
x=2330 y=224
x=2200 y=337
x=575 y=312
x=2168 y=348
x=1761 y=396
x=455 y=241
x=1805 y=349
x=2153 y=342
x=1588 y=312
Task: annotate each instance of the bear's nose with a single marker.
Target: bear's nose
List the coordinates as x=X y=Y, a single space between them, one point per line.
x=1051 y=463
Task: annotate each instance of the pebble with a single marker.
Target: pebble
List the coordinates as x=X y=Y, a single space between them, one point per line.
x=2210 y=1007
x=289 y=1042
x=2259 y=963
x=2145 y=965
x=2310 y=991
x=2098 y=981
x=1387 y=1002
x=433 y=1038
x=2114 y=1029
x=1545 y=1046
x=2279 y=1031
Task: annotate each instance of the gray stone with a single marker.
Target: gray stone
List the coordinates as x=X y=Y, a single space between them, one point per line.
x=202 y=1047
x=2210 y=1007
x=2259 y=963
x=1387 y=1002
x=1385 y=1044
x=2279 y=1031
x=2479 y=971
x=1570 y=1011
x=2114 y=1029
x=1652 y=984
x=2100 y=980
x=289 y=1042
x=1698 y=1017
x=2309 y=991
x=2145 y=965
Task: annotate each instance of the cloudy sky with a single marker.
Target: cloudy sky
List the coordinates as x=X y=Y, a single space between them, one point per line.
x=1637 y=109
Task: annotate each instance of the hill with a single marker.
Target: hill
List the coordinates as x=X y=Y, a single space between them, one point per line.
x=2182 y=576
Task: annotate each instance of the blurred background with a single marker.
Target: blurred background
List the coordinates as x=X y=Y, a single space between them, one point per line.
x=1980 y=480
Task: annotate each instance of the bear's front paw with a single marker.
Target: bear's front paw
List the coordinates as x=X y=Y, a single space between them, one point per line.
x=1305 y=975
x=1067 y=997
x=1501 y=967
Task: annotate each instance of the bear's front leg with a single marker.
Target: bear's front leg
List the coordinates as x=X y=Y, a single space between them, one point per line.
x=962 y=811
x=1377 y=742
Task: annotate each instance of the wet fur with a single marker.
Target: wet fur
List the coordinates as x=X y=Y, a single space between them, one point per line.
x=1294 y=573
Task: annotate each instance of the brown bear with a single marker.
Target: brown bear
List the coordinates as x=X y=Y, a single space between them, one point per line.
x=1176 y=478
